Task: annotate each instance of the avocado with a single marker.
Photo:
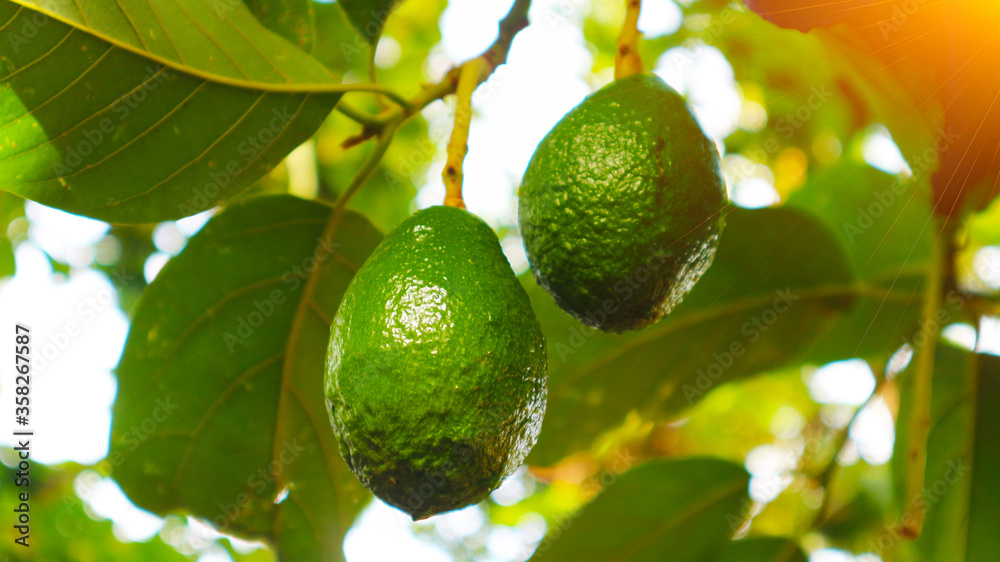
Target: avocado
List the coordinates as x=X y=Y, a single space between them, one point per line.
x=436 y=368
x=620 y=207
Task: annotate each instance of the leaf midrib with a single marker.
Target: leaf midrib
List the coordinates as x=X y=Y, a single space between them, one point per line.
x=673 y=522
x=302 y=309
x=332 y=86
x=807 y=295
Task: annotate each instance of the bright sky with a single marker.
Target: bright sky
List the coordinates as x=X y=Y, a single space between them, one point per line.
x=80 y=329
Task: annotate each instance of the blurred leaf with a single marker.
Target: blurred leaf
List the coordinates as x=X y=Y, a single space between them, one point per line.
x=776 y=282
x=292 y=19
x=98 y=131
x=219 y=41
x=685 y=507
x=735 y=418
x=220 y=408
x=127 y=274
x=962 y=482
x=11 y=207
x=984 y=228
x=883 y=222
x=885 y=226
x=6 y=257
x=762 y=549
x=61 y=528
x=942 y=56
x=368 y=16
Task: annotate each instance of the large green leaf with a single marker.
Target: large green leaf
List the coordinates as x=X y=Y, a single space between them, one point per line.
x=368 y=16
x=962 y=482
x=220 y=408
x=884 y=223
x=292 y=19
x=219 y=40
x=681 y=510
x=763 y=549
x=96 y=130
x=778 y=280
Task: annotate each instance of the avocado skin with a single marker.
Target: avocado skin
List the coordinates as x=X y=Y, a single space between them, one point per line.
x=436 y=369
x=620 y=205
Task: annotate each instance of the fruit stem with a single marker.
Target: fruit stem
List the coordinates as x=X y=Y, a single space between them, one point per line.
x=923 y=377
x=627 y=59
x=458 y=146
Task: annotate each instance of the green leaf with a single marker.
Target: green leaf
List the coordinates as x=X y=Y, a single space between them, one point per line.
x=95 y=130
x=681 y=510
x=884 y=224
x=220 y=407
x=883 y=221
x=962 y=482
x=292 y=19
x=779 y=278
x=368 y=16
x=6 y=257
x=61 y=527
x=11 y=207
x=763 y=549
x=218 y=40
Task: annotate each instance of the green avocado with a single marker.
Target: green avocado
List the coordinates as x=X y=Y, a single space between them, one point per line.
x=436 y=369
x=620 y=207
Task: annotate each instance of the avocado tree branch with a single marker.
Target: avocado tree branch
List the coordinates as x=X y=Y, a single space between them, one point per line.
x=515 y=20
x=920 y=416
x=627 y=59
x=365 y=172
x=458 y=145
x=356 y=115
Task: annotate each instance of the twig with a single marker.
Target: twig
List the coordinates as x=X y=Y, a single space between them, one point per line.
x=366 y=170
x=923 y=376
x=458 y=145
x=627 y=59
x=496 y=55
x=357 y=115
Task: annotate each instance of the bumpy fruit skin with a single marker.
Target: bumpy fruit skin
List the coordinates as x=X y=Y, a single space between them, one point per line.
x=620 y=205
x=436 y=370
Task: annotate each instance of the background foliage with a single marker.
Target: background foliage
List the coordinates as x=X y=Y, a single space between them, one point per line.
x=705 y=426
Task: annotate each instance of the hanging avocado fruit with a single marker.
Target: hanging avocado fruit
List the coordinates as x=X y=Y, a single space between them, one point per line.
x=436 y=369
x=620 y=207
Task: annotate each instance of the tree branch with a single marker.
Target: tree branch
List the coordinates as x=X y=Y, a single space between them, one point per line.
x=496 y=55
